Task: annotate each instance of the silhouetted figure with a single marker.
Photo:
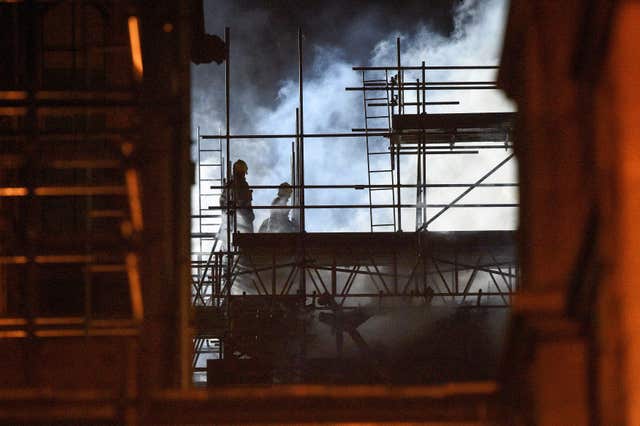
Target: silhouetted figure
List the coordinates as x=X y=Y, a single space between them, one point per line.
x=240 y=199
x=278 y=220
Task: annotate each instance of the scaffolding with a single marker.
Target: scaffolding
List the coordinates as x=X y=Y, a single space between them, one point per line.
x=294 y=275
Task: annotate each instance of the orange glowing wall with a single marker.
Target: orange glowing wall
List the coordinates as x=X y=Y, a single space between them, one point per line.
x=619 y=312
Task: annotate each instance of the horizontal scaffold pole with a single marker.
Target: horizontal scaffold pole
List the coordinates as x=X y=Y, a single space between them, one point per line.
x=366 y=206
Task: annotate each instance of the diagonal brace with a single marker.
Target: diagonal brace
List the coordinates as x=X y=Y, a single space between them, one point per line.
x=465 y=192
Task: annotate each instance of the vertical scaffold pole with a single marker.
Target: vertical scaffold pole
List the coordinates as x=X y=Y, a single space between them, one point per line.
x=417 y=96
x=303 y=289
x=419 y=183
x=227 y=189
x=419 y=205
x=424 y=88
x=399 y=79
x=422 y=145
x=296 y=192
x=400 y=111
x=293 y=172
x=301 y=101
x=424 y=177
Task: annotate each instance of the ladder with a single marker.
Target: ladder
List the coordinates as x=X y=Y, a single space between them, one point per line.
x=210 y=169
x=377 y=118
x=210 y=173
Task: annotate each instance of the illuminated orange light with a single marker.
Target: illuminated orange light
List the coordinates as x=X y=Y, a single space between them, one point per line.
x=60 y=191
x=133 y=187
x=13 y=192
x=13 y=260
x=444 y=390
x=13 y=334
x=136 y=50
x=13 y=95
x=59 y=333
x=12 y=322
x=59 y=320
x=135 y=288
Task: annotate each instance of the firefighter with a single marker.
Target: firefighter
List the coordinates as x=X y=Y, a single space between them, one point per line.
x=240 y=198
x=278 y=220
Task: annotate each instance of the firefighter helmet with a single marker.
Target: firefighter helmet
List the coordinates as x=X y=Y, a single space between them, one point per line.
x=240 y=167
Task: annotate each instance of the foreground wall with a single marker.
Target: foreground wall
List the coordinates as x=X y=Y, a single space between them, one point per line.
x=94 y=207
x=573 y=69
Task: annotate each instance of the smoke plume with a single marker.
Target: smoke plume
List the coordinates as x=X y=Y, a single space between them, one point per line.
x=264 y=95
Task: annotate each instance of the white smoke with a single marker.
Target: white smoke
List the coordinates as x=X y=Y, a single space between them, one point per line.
x=476 y=40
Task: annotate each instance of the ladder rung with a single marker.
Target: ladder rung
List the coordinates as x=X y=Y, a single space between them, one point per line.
x=379 y=153
x=210 y=150
x=377 y=116
x=383 y=224
x=380 y=171
x=375 y=99
x=211 y=180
